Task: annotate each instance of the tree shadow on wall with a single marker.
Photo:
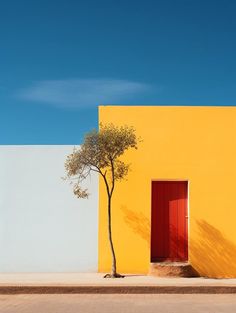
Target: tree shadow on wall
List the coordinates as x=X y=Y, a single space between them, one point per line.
x=212 y=254
x=138 y=223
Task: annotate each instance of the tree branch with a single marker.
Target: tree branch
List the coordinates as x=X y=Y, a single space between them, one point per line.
x=113 y=176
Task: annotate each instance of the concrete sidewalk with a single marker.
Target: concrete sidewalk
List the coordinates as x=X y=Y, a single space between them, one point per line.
x=56 y=283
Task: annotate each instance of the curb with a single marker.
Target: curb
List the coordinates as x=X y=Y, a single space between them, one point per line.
x=15 y=290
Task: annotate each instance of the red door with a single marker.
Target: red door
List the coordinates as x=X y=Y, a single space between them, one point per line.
x=169 y=232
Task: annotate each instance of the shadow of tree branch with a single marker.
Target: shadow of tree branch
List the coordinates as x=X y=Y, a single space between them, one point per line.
x=212 y=254
x=138 y=223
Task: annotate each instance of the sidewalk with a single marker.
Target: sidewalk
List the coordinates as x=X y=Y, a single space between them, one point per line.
x=58 y=283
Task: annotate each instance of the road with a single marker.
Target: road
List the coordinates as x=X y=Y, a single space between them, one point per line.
x=118 y=303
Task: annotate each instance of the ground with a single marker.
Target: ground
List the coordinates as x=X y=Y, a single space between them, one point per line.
x=118 y=303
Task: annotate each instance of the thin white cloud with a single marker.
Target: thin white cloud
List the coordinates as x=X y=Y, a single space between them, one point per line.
x=81 y=93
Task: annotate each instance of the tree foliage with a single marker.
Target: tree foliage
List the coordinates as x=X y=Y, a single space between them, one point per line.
x=100 y=153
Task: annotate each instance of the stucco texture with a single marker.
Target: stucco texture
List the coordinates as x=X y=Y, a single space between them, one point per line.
x=43 y=226
x=197 y=144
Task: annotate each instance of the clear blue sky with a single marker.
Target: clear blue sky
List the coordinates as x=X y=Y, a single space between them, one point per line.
x=60 y=59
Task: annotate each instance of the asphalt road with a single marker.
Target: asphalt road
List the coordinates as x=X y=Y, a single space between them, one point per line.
x=118 y=303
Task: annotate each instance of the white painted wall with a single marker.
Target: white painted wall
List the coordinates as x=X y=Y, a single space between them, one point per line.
x=43 y=226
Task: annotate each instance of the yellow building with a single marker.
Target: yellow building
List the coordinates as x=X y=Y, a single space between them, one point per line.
x=193 y=149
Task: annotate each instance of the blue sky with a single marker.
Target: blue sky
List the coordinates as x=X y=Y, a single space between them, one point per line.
x=60 y=59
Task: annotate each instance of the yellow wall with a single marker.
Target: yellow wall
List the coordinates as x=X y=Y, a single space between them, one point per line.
x=197 y=144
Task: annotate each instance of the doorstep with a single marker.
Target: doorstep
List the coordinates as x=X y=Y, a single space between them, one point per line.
x=172 y=269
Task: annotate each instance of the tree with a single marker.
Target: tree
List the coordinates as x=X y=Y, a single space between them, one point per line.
x=101 y=152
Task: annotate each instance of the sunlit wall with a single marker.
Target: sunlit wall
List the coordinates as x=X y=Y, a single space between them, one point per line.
x=197 y=144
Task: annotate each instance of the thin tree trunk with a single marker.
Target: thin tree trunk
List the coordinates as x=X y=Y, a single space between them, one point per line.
x=113 y=273
x=113 y=269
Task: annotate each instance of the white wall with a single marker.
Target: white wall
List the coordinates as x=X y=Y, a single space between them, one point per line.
x=43 y=226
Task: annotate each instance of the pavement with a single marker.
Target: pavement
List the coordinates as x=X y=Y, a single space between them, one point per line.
x=94 y=283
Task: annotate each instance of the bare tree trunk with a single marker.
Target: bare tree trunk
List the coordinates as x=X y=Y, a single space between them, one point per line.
x=113 y=273
x=113 y=269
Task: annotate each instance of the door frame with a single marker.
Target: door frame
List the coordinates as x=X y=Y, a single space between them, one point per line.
x=188 y=207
